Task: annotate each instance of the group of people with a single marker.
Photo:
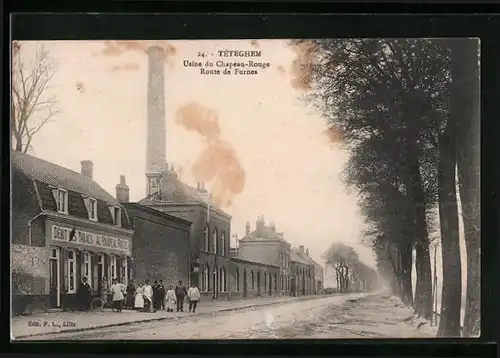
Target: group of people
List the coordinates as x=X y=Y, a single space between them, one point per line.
x=153 y=298
x=144 y=298
x=113 y=296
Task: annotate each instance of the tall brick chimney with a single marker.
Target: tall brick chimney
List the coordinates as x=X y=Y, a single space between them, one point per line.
x=87 y=168
x=122 y=190
x=156 y=128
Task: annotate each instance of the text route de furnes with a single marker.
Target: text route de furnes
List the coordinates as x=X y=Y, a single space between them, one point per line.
x=228 y=62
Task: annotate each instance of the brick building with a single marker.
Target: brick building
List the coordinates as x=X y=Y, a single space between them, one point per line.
x=160 y=245
x=319 y=278
x=302 y=273
x=64 y=227
x=265 y=245
x=209 y=230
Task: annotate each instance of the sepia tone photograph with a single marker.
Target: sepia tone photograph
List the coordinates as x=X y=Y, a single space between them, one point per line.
x=245 y=189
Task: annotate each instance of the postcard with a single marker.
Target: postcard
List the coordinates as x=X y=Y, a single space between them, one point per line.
x=245 y=189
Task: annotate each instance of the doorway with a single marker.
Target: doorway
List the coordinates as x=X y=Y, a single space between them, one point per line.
x=54 y=279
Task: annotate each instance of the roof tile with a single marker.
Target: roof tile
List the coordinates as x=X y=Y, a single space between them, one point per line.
x=57 y=176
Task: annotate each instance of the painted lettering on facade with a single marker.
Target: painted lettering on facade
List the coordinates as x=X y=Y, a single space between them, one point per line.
x=90 y=239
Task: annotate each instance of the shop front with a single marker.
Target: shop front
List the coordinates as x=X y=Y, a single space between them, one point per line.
x=100 y=254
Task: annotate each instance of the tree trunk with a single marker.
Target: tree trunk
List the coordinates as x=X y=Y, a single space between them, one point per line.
x=422 y=257
x=467 y=79
x=449 y=324
x=406 y=268
x=412 y=106
x=424 y=280
x=347 y=279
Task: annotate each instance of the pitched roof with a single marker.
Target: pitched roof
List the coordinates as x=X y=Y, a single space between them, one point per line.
x=57 y=176
x=297 y=257
x=181 y=193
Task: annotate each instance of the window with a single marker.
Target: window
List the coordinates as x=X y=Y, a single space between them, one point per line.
x=265 y=283
x=62 y=201
x=275 y=281
x=92 y=209
x=71 y=271
x=223 y=244
x=222 y=279
x=253 y=281
x=123 y=271
x=206 y=277
x=237 y=280
x=116 y=212
x=87 y=269
x=207 y=239
x=281 y=284
x=224 y=276
x=112 y=266
x=214 y=243
x=281 y=259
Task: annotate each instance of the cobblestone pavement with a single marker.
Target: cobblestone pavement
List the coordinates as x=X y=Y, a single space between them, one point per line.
x=346 y=316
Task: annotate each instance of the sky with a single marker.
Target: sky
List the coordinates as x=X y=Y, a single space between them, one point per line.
x=291 y=168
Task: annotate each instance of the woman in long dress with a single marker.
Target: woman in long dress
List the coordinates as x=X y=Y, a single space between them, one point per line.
x=139 y=299
x=170 y=299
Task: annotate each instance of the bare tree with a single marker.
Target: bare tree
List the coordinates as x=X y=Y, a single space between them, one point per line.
x=31 y=108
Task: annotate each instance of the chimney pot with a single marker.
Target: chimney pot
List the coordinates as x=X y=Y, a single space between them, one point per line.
x=122 y=180
x=301 y=249
x=87 y=168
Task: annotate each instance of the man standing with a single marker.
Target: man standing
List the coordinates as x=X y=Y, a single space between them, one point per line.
x=161 y=295
x=117 y=292
x=130 y=295
x=84 y=295
x=180 y=293
x=193 y=296
x=148 y=295
x=155 y=295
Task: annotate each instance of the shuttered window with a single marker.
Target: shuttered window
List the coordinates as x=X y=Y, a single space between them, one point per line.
x=94 y=259
x=64 y=259
x=71 y=274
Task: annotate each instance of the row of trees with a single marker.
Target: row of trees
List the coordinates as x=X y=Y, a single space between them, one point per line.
x=351 y=273
x=408 y=112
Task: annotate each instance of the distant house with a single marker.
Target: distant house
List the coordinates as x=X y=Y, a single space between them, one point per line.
x=302 y=272
x=64 y=227
x=267 y=246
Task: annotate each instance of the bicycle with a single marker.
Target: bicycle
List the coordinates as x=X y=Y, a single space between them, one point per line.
x=98 y=304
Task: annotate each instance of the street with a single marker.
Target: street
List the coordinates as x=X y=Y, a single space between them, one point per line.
x=358 y=315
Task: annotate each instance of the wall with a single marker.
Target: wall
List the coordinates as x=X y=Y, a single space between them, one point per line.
x=262 y=251
x=197 y=214
x=29 y=265
x=160 y=246
x=25 y=207
x=268 y=252
x=268 y=286
x=303 y=279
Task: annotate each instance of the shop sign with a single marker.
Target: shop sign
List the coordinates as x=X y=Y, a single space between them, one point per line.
x=90 y=239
